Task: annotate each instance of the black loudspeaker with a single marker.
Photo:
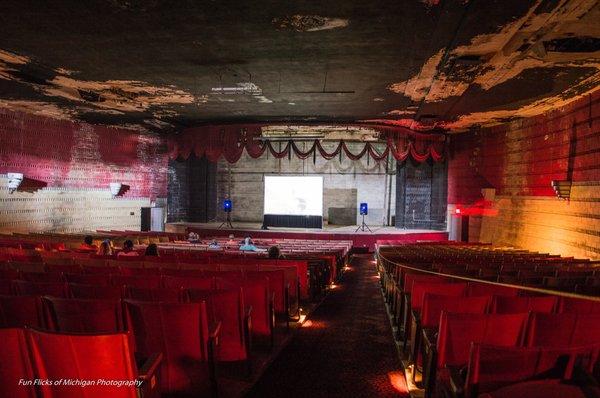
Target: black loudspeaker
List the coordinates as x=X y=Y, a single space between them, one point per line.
x=146 y=218
x=364 y=209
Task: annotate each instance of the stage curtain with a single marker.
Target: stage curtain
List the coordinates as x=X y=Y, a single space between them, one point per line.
x=229 y=142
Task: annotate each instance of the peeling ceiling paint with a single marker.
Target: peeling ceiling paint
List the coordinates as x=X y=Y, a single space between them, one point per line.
x=422 y=64
x=309 y=23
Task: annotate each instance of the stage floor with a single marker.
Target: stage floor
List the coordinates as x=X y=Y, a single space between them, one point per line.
x=331 y=232
x=181 y=227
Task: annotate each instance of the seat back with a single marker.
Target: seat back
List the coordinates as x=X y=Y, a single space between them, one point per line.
x=514 y=305
x=98 y=292
x=182 y=282
x=277 y=285
x=458 y=331
x=83 y=357
x=578 y=306
x=26 y=288
x=434 y=304
x=15 y=365
x=170 y=295
x=419 y=289
x=48 y=276
x=486 y=289
x=146 y=281
x=89 y=279
x=180 y=332
x=21 y=311
x=492 y=367
x=256 y=294
x=547 y=330
x=6 y=287
x=84 y=315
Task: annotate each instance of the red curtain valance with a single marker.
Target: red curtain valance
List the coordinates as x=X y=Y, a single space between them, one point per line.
x=230 y=141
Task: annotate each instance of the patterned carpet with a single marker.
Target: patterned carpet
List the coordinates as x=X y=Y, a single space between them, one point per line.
x=345 y=348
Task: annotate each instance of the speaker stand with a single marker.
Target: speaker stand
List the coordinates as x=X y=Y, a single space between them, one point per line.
x=363 y=225
x=227 y=222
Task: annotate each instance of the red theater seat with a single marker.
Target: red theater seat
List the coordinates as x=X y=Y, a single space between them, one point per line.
x=99 y=292
x=514 y=305
x=91 y=357
x=26 y=288
x=258 y=296
x=165 y=294
x=458 y=331
x=181 y=332
x=54 y=277
x=563 y=330
x=493 y=367
x=486 y=289
x=15 y=365
x=578 y=306
x=6 y=287
x=207 y=283
x=89 y=279
x=146 y=281
x=227 y=307
x=277 y=286
x=9 y=273
x=70 y=268
x=84 y=315
x=21 y=311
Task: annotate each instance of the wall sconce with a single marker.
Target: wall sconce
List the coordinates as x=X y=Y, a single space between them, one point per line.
x=562 y=189
x=14 y=181
x=115 y=188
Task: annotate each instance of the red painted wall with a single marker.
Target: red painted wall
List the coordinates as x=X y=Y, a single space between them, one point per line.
x=522 y=157
x=77 y=155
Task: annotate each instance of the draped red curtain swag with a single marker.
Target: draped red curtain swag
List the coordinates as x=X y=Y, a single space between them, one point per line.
x=231 y=140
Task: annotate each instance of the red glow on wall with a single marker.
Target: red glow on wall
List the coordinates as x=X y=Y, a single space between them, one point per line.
x=63 y=154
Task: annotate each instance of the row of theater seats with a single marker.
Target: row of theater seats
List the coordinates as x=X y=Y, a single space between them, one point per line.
x=190 y=327
x=448 y=321
x=503 y=265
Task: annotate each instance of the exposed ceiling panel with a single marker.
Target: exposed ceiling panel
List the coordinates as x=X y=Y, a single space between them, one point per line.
x=165 y=65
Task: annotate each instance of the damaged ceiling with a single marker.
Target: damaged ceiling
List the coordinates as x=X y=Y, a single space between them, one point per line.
x=423 y=64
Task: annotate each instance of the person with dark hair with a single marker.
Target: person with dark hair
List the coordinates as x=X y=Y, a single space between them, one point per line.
x=105 y=249
x=151 y=250
x=274 y=252
x=128 y=249
x=88 y=244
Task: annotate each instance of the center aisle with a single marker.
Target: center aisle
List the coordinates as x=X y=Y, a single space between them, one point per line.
x=345 y=348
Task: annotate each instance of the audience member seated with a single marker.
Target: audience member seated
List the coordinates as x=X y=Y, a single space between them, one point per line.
x=214 y=245
x=128 y=249
x=193 y=237
x=232 y=240
x=88 y=244
x=248 y=245
x=151 y=250
x=105 y=249
x=274 y=252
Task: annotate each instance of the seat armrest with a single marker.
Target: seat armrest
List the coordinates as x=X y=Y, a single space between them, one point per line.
x=148 y=377
x=150 y=366
x=457 y=383
x=214 y=330
x=248 y=312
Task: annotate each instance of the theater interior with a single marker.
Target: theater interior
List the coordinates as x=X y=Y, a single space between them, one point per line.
x=376 y=198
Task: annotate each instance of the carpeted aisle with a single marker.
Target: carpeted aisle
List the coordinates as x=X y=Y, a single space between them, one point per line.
x=345 y=349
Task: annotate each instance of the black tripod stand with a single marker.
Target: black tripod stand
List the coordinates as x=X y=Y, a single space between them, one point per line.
x=363 y=225
x=227 y=222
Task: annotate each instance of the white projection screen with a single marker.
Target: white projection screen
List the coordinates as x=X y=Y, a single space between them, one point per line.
x=294 y=195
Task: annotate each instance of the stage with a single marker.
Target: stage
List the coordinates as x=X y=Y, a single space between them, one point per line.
x=359 y=238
